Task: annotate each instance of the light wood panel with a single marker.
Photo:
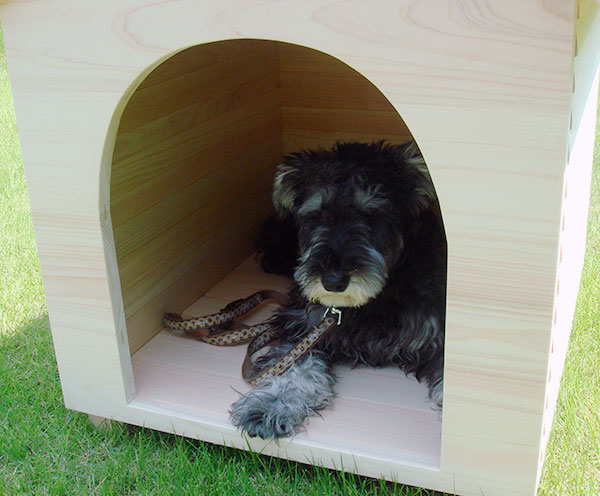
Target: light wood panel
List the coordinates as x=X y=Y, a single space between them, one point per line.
x=324 y=101
x=172 y=121
x=154 y=182
x=214 y=194
x=192 y=167
x=576 y=191
x=210 y=217
x=206 y=80
x=221 y=255
x=146 y=282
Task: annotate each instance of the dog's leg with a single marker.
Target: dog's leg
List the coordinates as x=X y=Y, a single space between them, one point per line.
x=433 y=372
x=435 y=384
x=279 y=407
x=431 y=337
x=419 y=350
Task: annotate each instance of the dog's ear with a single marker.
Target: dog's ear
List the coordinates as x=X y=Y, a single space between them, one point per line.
x=422 y=184
x=285 y=189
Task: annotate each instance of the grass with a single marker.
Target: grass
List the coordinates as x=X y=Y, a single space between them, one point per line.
x=48 y=450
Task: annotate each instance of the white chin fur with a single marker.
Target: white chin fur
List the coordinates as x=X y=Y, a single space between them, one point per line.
x=356 y=294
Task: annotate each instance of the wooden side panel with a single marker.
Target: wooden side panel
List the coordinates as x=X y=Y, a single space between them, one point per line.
x=586 y=51
x=576 y=193
x=192 y=168
x=325 y=100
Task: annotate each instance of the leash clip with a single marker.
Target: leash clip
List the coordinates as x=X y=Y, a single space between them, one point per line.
x=334 y=311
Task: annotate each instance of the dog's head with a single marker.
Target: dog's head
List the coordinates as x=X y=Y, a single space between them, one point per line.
x=353 y=207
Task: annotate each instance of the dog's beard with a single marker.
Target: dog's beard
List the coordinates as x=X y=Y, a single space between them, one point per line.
x=359 y=291
x=365 y=283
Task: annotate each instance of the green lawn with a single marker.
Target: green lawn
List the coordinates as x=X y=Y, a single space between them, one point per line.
x=48 y=450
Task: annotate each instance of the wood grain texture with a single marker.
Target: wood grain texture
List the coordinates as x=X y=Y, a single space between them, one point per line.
x=323 y=101
x=576 y=194
x=216 y=254
x=484 y=87
x=194 y=156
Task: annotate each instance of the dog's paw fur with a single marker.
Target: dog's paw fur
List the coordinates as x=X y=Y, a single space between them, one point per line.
x=279 y=407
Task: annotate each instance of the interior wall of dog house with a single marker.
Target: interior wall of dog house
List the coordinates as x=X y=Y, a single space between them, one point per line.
x=195 y=154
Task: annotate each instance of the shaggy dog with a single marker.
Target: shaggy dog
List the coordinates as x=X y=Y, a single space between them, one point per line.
x=359 y=228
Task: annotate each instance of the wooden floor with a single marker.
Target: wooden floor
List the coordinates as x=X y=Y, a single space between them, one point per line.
x=377 y=412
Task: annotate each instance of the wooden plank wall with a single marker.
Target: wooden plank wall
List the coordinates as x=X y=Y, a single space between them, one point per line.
x=324 y=100
x=192 y=170
x=194 y=158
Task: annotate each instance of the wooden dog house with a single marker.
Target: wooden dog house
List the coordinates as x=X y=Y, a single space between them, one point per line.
x=149 y=133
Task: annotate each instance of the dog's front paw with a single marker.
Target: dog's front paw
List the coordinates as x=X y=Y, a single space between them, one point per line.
x=271 y=411
x=279 y=407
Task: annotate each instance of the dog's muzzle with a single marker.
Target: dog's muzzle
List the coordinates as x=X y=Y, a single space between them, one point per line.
x=336 y=282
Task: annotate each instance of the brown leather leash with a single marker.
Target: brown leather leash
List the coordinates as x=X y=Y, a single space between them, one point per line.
x=219 y=329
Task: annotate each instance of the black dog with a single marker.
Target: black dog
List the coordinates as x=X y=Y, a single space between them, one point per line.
x=359 y=228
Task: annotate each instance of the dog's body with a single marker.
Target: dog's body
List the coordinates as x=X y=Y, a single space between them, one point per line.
x=359 y=228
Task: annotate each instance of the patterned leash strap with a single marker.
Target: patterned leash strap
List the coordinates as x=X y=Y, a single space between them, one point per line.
x=219 y=329
x=256 y=376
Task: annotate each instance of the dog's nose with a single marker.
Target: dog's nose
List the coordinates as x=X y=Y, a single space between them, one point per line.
x=335 y=281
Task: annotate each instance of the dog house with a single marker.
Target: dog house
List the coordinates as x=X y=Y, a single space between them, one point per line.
x=149 y=134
